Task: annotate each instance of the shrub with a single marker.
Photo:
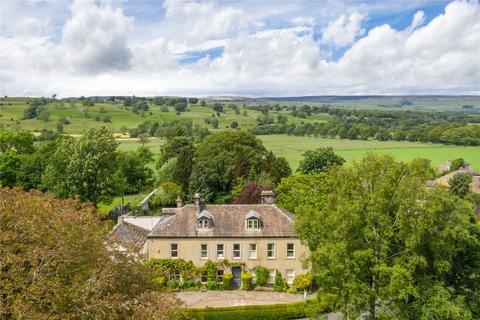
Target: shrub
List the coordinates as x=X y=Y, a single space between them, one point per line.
x=457 y=164
x=160 y=281
x=227 y=281
x=212 y=285
x=262 y=275
x=261 y=312
x=247 y=281
x=302 y=282
x=280 y=283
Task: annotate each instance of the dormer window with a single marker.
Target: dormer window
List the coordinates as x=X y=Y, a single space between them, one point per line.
x=253 y=220
x=204 y=220
x=203 y=224
x=253 y=223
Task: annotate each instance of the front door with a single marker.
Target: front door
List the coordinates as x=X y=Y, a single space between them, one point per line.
x=236 y=272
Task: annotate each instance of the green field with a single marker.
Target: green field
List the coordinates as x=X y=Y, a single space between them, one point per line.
x=292 y=148
x=82 y=117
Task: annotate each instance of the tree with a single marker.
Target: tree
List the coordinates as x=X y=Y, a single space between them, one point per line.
x=214 y=123
x=457 y=164
x=55 y=265
x=217 y=107
x=251 y=193
x=380 y=241
x=460 y=184
x=84 y=167
x=181 y=106
x=18 y=141
x=276 y=168
x=133 y=173
x=166 y=195
x=182 y=149
x=193 y=100
x=302 y=189
x=319 y=160
x=221 y=158
x=234 y=125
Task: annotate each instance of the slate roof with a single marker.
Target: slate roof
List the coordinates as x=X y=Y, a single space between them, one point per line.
x=229 y=222
x=130 y=235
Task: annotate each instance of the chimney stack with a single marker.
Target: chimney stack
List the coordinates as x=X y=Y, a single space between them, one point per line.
x=267 y=196
x=196 y=199
x=179 y=202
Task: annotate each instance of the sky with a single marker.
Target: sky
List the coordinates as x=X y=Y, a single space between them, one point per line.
x=245 y=48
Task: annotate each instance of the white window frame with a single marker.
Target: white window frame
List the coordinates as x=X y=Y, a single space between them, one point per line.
x=174 y=250
x=222 y=256
x=272 y=251
x=203 y=251
x=239 y=251
x=287 y=277
x=250 y=251
x=203 y=223
x=253 y=223
x=293 y=251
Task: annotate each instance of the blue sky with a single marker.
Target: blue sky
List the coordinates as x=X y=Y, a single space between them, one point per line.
x=254 y=48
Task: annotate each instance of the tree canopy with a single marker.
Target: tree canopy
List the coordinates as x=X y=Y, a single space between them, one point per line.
x=55 y=265
x=319 y=160
x=389 y=248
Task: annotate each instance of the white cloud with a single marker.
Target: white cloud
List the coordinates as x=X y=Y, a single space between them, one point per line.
x=343 y=31
x=96 y=38
x=418 y=20
x=96 y=56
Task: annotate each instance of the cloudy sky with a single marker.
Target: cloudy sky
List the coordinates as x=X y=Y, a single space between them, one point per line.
x=251 y=48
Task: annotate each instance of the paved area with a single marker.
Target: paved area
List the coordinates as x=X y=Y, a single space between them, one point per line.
x=235 y=298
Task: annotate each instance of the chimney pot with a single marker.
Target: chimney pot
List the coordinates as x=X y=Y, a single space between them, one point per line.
x=196 y=199
x=267 y=196
x=179 y=202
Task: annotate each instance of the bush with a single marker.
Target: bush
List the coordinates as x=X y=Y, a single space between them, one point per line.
x=262 y=275
x=247 y=281
x=457 y=164
x=281 y=284
x=302 y=282
x=227 y=281
x=262 y=312
x=212 y=285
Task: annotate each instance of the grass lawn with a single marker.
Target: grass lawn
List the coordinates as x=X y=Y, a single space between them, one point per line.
x=292 y=148
x=133 y=199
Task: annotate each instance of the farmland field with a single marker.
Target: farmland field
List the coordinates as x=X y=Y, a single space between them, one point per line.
x=292 y=148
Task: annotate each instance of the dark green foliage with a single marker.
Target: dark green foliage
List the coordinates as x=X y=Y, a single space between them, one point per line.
x=182 y=149
x=84 y=167
x=261 y=274
x=214 y=123
x=460 y=185
x=180 y=106
x=247 y=281
x=319 y=160
x=261 y=312
x=133 y=173
x=221 y=158
x=457 y=164
x=380 y=241
x=217 y=107
x=234 y=125
x=280 y=284
x=227 y=281
x=193 y=100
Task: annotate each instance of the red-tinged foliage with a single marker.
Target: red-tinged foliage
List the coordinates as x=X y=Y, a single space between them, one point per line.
x=251 y=193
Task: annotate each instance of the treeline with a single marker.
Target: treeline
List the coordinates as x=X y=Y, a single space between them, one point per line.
x=92 y=168
x=440 y=127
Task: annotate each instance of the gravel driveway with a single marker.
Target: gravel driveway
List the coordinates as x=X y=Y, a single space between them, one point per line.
x=196 y=299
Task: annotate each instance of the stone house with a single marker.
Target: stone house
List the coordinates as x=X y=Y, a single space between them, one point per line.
x=246 y=235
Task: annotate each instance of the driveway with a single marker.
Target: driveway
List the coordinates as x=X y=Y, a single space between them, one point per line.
x=197 y=299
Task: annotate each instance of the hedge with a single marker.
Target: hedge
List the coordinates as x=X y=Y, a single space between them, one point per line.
x=227 y=281
x=263 y=312
x=247 y=281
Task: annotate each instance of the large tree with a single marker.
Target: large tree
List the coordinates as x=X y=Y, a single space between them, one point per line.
x=381 y=242
x=84 y=167
x=319 y=160
x=223 y=157
x=56 y=265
